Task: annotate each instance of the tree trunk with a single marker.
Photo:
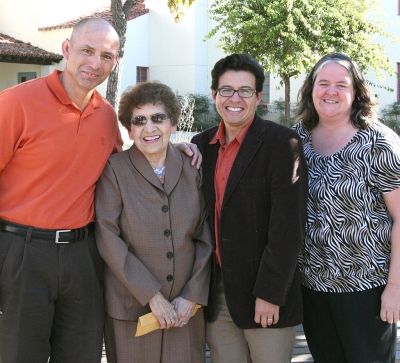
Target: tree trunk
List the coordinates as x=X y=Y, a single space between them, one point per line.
x=287 y=101
x=114 y=83
x=119 y=21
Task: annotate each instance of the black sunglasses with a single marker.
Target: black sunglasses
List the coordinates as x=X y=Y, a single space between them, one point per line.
x=157 y=118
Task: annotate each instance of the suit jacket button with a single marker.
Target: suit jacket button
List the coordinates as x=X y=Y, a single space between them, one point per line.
x=164 y=208
x=170 y=255
x=170 y=278
x=167 y=232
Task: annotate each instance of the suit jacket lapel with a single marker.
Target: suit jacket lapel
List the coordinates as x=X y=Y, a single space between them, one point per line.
x=210 y=155
x=247 y=150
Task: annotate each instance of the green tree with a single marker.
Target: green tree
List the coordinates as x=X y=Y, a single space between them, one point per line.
x=288 y=36
x=120 y=10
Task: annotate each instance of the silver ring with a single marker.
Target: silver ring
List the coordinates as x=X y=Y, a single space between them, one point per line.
x=270 y=319
x=184 y=323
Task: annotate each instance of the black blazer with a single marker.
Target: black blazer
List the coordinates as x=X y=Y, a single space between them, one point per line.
x=262 y=224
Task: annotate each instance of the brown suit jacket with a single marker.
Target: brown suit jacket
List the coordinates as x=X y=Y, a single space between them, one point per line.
x=262 y=222
x=152 y=237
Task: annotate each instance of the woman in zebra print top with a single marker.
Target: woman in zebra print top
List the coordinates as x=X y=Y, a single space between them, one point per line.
x=350 y=261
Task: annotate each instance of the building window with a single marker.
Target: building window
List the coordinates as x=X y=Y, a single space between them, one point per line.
x=266 y=88
x=142 y=74
x=26 y=76
x=398 y=82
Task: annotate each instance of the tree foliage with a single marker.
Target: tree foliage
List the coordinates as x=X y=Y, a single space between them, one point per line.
x=175 y=7
x=288 y=36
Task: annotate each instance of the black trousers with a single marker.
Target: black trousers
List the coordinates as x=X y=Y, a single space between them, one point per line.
x=51 y=299
x=347 y=328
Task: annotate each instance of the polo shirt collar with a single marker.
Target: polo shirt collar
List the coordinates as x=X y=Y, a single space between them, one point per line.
x=56 y=86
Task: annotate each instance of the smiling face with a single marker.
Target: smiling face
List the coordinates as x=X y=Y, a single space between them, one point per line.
x=152 y=139
x=90 y=56
x=333 y=93
x=236 y=111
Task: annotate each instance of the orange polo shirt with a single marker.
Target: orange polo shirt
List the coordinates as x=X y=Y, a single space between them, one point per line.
x=226 y=156
x=52 y=153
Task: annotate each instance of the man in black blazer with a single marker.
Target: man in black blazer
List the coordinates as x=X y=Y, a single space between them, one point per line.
x=255 y=179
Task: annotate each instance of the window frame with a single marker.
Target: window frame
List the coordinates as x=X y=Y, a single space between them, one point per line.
x=142 y=74
x=27 y=75
x=266 y=97
x=398 y=81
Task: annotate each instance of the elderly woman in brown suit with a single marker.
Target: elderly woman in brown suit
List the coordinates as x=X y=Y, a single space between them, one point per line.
x=153 y=235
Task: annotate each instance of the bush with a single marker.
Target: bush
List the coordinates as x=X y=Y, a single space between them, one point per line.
x=277 y=108
x=204 y=112
x=391 y=116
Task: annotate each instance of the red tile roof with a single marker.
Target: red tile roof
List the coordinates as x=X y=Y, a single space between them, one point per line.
x=104 y=13
x=16 y=51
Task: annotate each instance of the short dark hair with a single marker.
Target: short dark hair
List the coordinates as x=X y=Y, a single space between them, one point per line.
x=364 y=107
x=238 y=62
x=153 y=92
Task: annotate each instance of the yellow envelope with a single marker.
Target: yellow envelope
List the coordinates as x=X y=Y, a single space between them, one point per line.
x=148 y=323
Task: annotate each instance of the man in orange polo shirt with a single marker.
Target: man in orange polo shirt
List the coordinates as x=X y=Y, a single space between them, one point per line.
x=255 y=180
x=56 y=135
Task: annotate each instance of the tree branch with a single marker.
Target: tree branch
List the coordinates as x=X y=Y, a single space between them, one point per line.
x=129 y=4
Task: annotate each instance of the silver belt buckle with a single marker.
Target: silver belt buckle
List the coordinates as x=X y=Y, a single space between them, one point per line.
x=58 y=235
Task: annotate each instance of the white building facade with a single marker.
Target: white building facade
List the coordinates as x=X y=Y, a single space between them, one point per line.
x=157 y=48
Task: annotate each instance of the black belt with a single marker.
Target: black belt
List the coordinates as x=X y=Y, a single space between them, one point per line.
x=58 y=236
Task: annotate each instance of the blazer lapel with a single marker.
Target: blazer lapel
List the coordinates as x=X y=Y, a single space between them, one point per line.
x=247 y=150
x=142 y=165
x=173 y=168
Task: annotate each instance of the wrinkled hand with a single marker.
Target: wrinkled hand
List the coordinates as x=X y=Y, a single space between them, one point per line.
x=390 y=303
x=163 y=311
x=266 y=313
x=184 y=310
x=191 y=149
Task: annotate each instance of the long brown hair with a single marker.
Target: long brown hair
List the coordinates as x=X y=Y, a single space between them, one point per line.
x=364 y=107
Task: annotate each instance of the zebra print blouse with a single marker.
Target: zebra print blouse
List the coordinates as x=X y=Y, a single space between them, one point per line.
x=347 y=244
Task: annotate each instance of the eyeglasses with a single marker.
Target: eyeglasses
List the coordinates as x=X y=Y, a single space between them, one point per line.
x=243 y=92
x=157 y=118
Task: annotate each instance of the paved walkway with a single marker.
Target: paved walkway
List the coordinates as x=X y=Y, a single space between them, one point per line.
x=301 y=353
